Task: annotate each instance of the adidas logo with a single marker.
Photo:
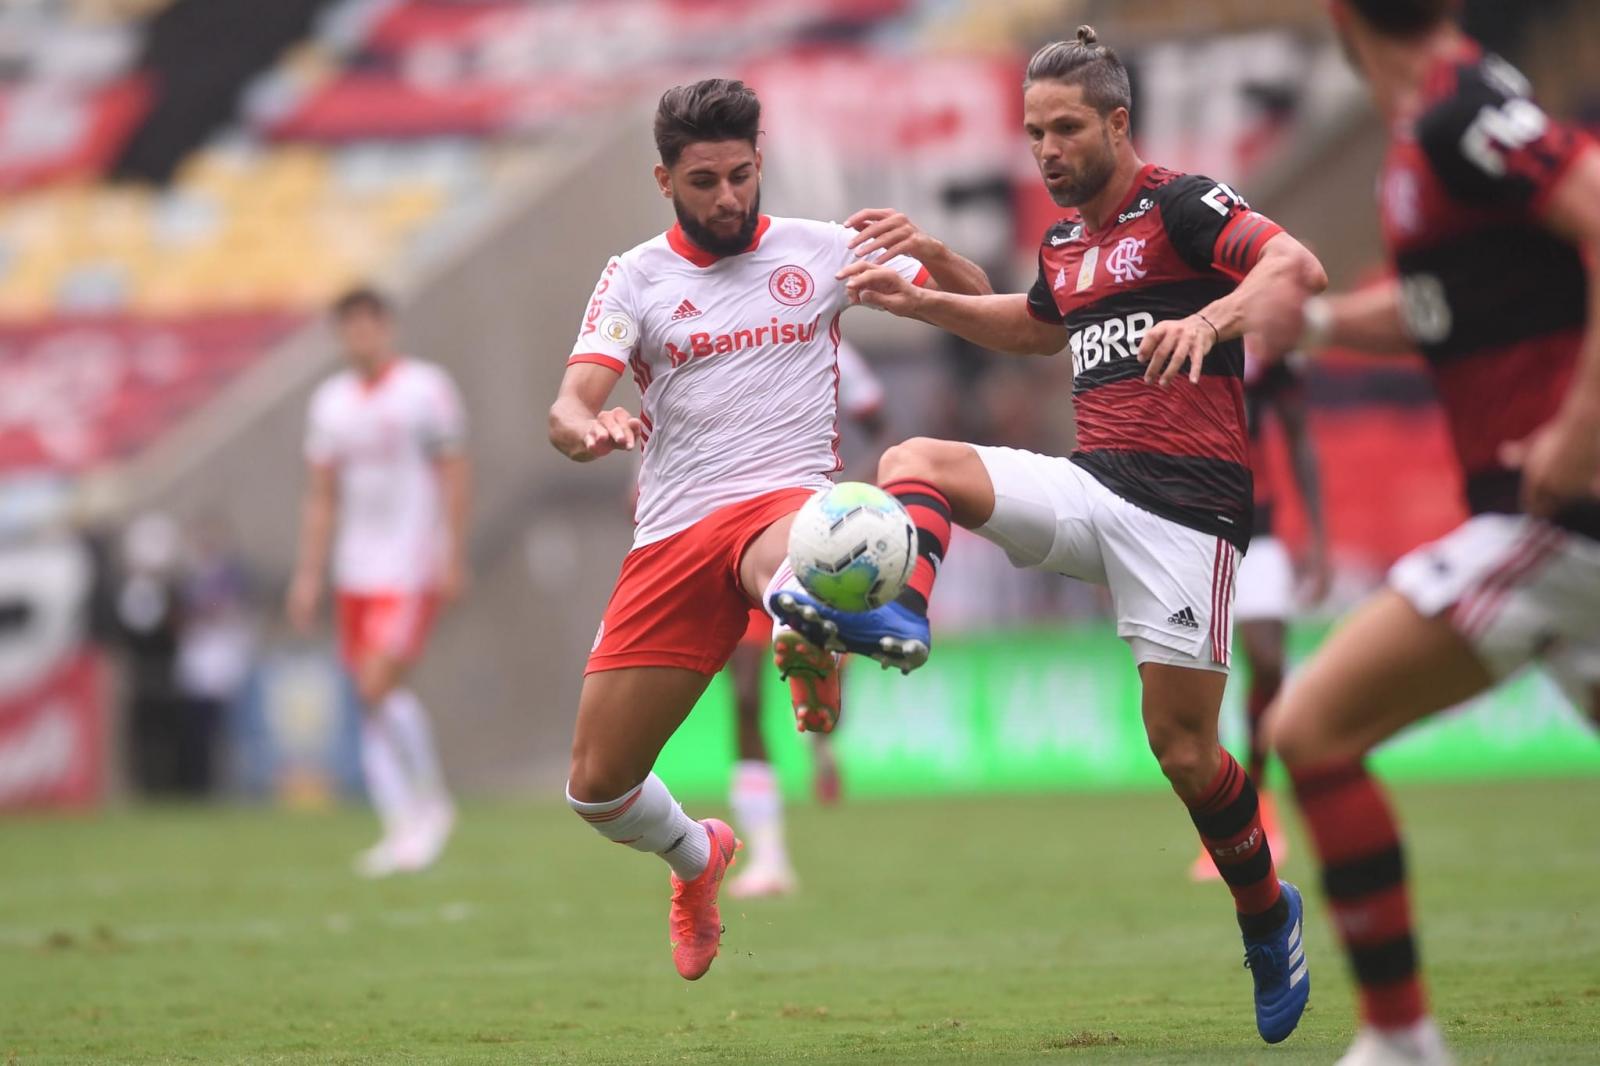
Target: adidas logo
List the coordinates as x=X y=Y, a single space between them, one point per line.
x=1184 y=617
x=685 y=310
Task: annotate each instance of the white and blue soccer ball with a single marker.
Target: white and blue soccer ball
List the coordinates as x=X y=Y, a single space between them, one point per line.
x=853 y=546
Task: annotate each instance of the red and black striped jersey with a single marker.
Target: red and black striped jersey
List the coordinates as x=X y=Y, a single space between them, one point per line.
x=1496 y=301
x=1179 y=242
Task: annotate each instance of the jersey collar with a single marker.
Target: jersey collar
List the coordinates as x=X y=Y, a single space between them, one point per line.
x=680 y=243
x=1128 y=201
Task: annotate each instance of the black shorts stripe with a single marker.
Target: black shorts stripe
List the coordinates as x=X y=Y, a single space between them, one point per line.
x=1358 y=878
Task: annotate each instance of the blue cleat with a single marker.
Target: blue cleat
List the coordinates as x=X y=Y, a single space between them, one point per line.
x=1283 y=978
x=893 y=634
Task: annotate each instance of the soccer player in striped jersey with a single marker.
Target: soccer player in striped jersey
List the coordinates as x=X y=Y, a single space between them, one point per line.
x=1491 y=211
x=1147 y=279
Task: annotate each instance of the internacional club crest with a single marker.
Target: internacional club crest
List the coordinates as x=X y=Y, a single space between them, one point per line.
x=791 y=285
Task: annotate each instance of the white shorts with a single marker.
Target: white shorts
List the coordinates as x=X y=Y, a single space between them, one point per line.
x=1266 y=583
x=1518 y=589
x=1172 y=586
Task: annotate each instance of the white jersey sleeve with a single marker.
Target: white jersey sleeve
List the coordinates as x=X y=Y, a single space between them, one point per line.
x=441 y=417
x=609 y=334
x=860 y=391
x=321 y=446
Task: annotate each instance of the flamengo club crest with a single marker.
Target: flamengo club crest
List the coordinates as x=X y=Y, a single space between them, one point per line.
x=790 y=285
x=1126 y=261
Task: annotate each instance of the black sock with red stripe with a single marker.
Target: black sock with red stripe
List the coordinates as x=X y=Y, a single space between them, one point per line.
x=1364 y=877
x=1228 y=817
x=930 y=511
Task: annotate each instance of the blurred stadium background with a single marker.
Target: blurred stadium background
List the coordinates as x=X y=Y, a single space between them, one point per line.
x=186 y=184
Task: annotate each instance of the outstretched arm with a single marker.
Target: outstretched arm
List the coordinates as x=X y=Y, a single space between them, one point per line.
x=883 y=233
x=997 y=321
x=579 y=429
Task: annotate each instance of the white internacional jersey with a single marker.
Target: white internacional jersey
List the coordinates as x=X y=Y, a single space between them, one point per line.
x=736 y=359
x=383 y=439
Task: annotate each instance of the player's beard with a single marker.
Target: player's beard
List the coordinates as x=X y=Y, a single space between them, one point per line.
x=1090 y=181
x=705 y=239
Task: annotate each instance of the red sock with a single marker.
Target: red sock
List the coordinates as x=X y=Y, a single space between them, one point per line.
x=1229 y=820
x=1363 y=874
x=930 y=510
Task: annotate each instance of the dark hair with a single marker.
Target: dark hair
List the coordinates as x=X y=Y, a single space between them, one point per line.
x=716 y=109
x=1087 y=63
x=1404 y=18
x=362 y=299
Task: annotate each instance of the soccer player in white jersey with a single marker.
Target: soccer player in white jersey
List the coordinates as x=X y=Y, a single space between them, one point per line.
x=729 y=324
x=754 y=796
x=385 y=466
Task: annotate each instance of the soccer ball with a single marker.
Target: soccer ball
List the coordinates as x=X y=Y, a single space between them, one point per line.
x=853 y=546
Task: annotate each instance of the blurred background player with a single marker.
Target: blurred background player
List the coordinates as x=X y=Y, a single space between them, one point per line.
x=754 y=797
x=1264 y=599
x=1148 y=276
x=386 y=469
x=1491 y=210
x=729 y=323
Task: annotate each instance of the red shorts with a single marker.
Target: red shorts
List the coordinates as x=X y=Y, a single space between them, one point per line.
x=394 y=625
x=678 y=601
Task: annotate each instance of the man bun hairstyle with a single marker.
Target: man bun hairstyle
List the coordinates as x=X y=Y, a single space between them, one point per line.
x=716 y=109
x=1088 y=64
x=1404 y=18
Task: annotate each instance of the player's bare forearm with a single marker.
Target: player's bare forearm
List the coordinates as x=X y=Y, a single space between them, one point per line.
x=1000 y=322
x=317 y=508
x=1284 y=261
x=455 y=478
x=955 y=273
x=1368 y=320
x=585 y=388
x=1574 y=212
x=1303 y=456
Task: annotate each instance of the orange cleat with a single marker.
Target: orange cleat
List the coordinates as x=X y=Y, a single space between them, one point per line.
x=1203 y=868
x=813 y=676
x=694 y=919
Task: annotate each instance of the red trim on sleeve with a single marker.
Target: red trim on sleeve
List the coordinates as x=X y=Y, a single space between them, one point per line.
x=922 y=277
x=1541 y=200
x=610 y=362
x=1240 y=242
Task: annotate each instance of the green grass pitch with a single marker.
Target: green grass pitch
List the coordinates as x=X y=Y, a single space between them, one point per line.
x=1044 y=929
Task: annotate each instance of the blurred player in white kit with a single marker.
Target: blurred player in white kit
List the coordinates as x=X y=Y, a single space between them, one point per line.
x=387 y=489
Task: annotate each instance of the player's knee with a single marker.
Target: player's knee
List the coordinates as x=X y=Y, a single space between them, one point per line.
x=1188 y=761
x=1289 y=733
x=916 y=458
x=595 y=776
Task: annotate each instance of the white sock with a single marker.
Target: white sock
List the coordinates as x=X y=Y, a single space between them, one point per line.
x=758 y=811
x=647 y=818
x=782 y=578
x=385 y=774
x=413 y=734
